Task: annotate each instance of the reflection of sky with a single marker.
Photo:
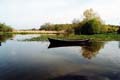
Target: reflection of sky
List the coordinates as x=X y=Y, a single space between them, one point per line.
x=34 y=57
x=22 y=37
x=111 y=53
x=33 y=13
x=31 y=51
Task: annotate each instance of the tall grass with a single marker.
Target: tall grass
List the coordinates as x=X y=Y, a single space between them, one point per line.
x=98 y=37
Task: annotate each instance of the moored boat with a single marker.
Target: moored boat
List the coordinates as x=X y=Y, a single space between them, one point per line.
x=62 y=43
x=67 y=41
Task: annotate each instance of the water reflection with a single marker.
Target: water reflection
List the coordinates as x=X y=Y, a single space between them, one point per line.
x=89 y=50
x=4 y=37
x=92 y=50
x=27 y=60
x=119 y=44
x=85 y=77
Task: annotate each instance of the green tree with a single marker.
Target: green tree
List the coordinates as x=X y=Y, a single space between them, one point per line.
x=91 y=27
x=75 y=21
x=118 y=31
x=90 y=14
x=91 y=24
x=5 y=28
x=45 y=26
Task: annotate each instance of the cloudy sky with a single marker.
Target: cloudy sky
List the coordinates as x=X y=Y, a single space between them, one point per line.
x=25 y=14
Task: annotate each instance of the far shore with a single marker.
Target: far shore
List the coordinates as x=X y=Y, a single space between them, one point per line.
x=37 y=32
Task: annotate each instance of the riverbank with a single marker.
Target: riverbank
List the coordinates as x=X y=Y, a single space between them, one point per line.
x=96 y=37
x=37 y=32
x=44 y=35
x=33 y=32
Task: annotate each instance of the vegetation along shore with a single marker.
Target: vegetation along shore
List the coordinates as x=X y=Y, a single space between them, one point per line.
x=91 y=26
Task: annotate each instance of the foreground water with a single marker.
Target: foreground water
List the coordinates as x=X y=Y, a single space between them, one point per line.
x=32 y=60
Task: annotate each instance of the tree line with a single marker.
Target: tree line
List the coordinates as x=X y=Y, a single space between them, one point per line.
x=91 y=24
x=5 y=28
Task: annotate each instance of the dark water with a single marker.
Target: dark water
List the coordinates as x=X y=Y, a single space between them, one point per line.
x=32 y=60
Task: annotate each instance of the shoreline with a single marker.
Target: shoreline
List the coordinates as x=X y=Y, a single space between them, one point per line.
x=39 y=32
x=34 y=32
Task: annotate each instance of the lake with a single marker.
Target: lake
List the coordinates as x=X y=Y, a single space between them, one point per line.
x=33 y=60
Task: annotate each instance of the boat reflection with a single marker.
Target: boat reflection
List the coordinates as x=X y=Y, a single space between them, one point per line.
x=88 y=50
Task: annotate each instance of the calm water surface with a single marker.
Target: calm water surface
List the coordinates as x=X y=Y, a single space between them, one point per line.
x=32 y=60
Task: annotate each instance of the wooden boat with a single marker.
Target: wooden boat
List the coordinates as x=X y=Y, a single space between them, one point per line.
x=62 y=43
x=67 y=41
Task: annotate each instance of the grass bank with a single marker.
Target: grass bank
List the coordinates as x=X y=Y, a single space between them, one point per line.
x=97 y=37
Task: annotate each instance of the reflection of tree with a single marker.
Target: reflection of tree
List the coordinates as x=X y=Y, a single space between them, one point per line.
x=92 y=50
x=4 y=37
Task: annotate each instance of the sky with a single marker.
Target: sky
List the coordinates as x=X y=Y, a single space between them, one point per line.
x=28 y=14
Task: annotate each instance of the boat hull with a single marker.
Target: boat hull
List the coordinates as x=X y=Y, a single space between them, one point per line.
x=63 y=43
